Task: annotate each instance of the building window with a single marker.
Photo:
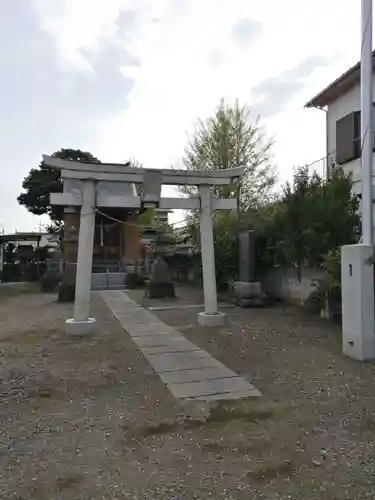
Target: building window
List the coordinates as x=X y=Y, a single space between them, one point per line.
x=348 y=136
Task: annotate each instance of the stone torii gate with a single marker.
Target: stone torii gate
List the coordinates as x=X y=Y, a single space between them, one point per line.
x=90 y=194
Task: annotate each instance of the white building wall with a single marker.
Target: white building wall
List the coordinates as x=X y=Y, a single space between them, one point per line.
x=345 y=104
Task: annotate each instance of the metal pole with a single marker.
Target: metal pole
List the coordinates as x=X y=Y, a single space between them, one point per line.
x=366 y=120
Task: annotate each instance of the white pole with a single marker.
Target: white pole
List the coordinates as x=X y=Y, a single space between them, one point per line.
x=1 y=260
x=366 y=121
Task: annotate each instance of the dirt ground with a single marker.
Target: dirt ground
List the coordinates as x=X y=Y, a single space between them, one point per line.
x=89 y=419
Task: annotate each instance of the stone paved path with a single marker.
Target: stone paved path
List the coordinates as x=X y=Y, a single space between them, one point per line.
x=187 y=371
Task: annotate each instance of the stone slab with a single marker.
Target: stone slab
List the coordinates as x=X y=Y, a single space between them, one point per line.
x=177 y=347
x=183 y=376
x=249 y=393
x=187 y=371
x=206 y=387
x=137 y=318
x=179 y=361
x=143 y=329
x=160 y=340
x=144 y=333
x=186 y=306
x=128 y=308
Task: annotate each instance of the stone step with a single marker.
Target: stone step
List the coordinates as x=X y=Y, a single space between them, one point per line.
x=108 y=281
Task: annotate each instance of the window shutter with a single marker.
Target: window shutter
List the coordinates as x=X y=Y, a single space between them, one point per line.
x=348 y=137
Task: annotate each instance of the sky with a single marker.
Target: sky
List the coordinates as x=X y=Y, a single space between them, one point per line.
x=129 y=78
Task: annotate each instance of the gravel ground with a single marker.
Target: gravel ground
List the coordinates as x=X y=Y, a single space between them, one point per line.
x=89 y=419
x=320 y=442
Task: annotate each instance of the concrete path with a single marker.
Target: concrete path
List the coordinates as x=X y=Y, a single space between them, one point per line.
x=187 y=371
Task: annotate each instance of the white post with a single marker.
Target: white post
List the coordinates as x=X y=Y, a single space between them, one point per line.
x=357 y=270
x=211 y=316
x=366 y=121
x=1 y=260
x=357 y=283
x=81 y=324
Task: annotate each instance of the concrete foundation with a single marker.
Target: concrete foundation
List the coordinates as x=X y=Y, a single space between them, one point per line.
x=212 y=320
x=75 y=328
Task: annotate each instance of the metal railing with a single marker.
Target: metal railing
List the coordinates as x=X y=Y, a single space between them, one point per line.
x=323 y=166
x=107 y=267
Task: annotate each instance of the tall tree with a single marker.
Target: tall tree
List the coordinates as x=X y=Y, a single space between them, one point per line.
x=313 y=217
x=228 y=139
x=135 y=163
x=44 y=180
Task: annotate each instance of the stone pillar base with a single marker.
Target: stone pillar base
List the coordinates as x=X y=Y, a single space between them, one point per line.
x=75 y=328
x=212 y=320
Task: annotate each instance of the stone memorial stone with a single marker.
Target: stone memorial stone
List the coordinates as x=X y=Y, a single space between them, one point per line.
x=247 y=256
x=160 y=285
x=247 y=292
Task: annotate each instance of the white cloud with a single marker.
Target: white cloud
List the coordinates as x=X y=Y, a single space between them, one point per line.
x=177 y=83
x=189 y=60
x=78 y=28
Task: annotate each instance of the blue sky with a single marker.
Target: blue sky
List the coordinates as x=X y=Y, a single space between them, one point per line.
x=126 y=78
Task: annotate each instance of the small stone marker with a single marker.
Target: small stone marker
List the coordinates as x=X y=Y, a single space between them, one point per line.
x=247 y=292
x=160 y=286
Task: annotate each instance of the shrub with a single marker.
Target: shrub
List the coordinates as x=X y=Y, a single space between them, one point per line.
x=328 y=289
x=66 y=292
x=11 y=272
x=49 y=282
x=135 y=280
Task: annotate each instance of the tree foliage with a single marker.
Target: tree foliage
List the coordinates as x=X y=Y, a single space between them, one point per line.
x=135 y=163
x=228 y=139
x=44 y=180
x=313 y=217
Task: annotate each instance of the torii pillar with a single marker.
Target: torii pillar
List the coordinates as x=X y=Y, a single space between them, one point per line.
x=90 y=196
x=211 y=315
x=82 y=323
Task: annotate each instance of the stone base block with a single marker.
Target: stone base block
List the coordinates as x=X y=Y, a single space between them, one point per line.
x=161 y=290
x=247 y=289
x=261 y=301
x=76 y=328
x=212 y=320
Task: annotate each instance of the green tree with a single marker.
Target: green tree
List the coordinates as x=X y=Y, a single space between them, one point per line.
x=134 y=162
x=312 y=218
x=228 y=139
x=44 y=180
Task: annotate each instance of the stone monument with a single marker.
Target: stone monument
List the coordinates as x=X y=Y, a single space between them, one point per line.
x=160 y=285
x=247 y=292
